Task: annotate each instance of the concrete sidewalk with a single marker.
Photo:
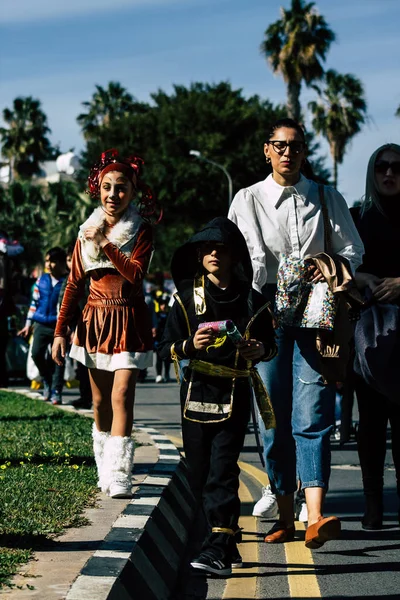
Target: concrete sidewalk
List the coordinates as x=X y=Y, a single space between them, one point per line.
x=132 y=548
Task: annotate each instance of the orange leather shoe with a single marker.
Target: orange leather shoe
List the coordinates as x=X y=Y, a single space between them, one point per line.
x=325 y=529
x=280 y=533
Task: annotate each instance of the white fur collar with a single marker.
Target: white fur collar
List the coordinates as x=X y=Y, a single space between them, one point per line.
x=121 y=235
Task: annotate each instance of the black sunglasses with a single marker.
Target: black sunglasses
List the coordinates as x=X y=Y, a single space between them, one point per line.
x=208 y=247
x=280 y=146
x=382 y=166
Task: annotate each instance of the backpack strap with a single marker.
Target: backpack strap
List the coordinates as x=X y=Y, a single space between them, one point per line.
x=327 y=224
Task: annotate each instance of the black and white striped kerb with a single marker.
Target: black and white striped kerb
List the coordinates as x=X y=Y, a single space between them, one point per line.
x=140 y=557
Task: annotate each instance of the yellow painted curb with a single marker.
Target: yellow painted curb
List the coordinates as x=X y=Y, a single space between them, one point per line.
x=301 y=585
x=255 y=472
x=245 y=587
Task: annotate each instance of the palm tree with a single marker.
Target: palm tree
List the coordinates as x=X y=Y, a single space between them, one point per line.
x=398 y=112
x=106 y=106
x=295 y=45
x=24 y=140
x=339 y=113
x=67 y=208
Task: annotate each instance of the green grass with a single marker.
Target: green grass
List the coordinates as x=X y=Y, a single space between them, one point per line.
x=47 y=476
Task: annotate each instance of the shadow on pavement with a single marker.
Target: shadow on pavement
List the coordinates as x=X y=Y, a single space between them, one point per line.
x=386 y=597
x=41 y=543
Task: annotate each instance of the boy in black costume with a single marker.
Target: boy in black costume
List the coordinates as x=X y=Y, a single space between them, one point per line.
x=213 y=275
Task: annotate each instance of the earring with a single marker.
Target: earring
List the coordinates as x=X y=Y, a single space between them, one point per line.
x=267 y=160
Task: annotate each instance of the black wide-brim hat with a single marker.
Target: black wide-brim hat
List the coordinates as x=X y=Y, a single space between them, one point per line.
x=185 y=263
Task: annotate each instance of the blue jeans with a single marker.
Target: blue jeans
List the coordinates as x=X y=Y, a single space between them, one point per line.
x=304 y=409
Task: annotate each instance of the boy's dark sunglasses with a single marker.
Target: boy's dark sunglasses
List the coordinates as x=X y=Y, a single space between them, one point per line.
x=208 y=247
x=280 y=147
x=382 y=166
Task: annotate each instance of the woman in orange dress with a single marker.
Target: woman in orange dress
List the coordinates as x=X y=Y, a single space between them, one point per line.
x=113 y=337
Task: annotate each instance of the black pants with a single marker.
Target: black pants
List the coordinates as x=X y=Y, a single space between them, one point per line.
x=375 y=411
x=3 y=348
x=159 y=365
x=212 y=452
x=52 y=374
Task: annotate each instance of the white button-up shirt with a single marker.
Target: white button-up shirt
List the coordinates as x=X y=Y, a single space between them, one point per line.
x=278 y=220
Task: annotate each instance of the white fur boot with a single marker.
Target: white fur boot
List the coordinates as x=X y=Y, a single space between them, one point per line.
x=117 y=466
x=99 y=440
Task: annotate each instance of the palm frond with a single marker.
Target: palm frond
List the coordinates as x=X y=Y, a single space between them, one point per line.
x=296 y=45
x=340 y=111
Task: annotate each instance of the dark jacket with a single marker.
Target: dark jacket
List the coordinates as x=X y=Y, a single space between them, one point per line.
x=377 y=333
x=380 y=233
x=239 y=303
x=7 y=307
x=377 y=348
x=161 y=319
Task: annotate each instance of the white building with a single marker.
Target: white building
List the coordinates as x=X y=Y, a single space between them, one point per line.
x=63 y=168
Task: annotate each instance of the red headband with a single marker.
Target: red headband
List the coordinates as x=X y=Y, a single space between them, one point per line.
x=111 y=161
x=127 y=170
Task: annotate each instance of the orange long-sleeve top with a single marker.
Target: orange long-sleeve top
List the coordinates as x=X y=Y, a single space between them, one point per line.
x=121 y=285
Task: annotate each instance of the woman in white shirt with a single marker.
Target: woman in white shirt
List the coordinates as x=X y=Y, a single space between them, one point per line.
x=278 y=216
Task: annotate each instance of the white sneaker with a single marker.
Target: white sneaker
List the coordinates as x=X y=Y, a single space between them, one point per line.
x=159 y=379
x=303 y=514
x=267 y=506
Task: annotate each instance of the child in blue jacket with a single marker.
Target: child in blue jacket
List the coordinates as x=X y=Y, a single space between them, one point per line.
x=42 y=315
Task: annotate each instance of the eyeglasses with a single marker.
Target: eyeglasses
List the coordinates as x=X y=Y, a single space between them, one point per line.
x=280 y=146
x=382 y=166
x=208 y=247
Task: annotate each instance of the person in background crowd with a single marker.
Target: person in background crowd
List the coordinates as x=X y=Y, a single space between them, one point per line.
x=85 y=399
x=378 y=223
x=8 y=250
x=113 y=336
x=148 y=298
x=161 y=316
x=43 y=315
x=282 y=217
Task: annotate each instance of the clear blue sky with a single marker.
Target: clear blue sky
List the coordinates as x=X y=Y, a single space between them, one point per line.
x=57 y=51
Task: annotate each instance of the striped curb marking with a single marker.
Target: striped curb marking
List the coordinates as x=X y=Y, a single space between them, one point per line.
x=140 y=557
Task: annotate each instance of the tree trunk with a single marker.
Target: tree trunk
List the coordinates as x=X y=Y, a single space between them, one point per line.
x=13 y=170
x=293 y=100
x=334 y=153
x=335 y=172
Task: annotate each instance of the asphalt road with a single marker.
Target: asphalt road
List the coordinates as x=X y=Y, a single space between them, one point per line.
x=362 y=564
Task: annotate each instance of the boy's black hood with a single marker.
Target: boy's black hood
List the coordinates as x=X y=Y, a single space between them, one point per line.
x=185 y=264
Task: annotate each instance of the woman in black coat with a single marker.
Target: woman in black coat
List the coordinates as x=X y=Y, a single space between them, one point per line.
x=379 y=227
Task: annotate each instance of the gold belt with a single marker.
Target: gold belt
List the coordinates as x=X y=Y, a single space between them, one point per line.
x=260 y=391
